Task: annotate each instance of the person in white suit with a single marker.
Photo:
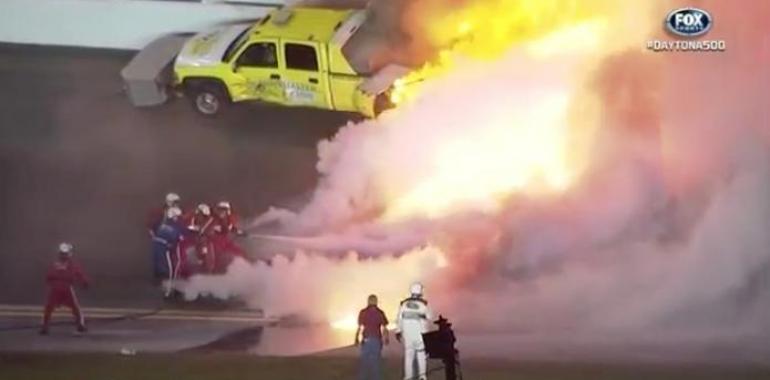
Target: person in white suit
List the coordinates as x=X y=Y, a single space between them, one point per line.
x=413 y=319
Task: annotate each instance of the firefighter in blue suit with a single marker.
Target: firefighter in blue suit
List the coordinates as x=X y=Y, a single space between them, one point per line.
x=165 y=245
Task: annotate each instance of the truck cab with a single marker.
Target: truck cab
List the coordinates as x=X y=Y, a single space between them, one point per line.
x=291 y=57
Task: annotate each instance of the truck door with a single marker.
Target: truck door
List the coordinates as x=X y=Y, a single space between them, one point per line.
x=305 y=82
x=257 y=72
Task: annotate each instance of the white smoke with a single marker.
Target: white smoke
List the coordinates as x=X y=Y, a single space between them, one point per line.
x=314 y=287
x=667 y=228
x=638 y=278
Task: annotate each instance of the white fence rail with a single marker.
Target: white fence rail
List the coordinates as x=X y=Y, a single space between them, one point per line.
x=117 y=24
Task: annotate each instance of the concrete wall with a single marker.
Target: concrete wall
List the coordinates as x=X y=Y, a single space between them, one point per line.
x=119 y=24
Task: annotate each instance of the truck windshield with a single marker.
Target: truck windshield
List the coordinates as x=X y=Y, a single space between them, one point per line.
x=235 y=45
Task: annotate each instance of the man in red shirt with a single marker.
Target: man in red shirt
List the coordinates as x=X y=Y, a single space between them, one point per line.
x=372 y=328
x=62 y=276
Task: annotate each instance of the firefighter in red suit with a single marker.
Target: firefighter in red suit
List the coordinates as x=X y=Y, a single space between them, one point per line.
x=225 y=228
x=198 y=230
x=62 y=277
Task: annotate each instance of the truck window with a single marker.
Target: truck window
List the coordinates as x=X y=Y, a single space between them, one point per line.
x=259 y=54
x=301 y=57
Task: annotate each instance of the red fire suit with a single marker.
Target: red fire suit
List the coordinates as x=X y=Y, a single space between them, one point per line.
x=198 y=231
x=63 y=275
x=224 y=227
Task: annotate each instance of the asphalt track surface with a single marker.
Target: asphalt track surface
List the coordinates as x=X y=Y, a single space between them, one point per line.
x=130 y=330
x=168 y=330
x=79 y=163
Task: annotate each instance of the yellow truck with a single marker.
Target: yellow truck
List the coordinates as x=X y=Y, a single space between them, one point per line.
x=293 y=57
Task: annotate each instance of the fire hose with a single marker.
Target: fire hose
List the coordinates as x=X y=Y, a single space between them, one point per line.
x=124 y=317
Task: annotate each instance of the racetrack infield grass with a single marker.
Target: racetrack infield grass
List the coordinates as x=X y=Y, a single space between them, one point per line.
x=224 y=366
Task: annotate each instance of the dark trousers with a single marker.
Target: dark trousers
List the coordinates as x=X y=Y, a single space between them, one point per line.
x=371 y=354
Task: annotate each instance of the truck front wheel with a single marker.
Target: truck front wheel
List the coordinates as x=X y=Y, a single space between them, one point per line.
x=208 y=100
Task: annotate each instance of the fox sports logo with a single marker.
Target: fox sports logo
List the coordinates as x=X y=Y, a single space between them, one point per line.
x=688 y=22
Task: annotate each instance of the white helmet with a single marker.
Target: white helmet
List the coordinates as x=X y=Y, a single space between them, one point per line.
x=416 y=289
x=225 y=205
x=173 y=212
x=65 y=248
x=204 y=209
x=172 y=198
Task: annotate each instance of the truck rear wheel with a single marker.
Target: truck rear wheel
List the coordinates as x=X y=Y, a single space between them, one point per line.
x=208 y=100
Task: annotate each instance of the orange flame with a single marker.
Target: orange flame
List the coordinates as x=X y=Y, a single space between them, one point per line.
x=538 y=149
x=388 y=278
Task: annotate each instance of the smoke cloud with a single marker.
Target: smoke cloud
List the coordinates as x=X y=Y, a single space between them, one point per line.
x=662 y=223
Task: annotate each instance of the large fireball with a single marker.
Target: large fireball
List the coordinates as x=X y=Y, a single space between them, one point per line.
x=506 y=110
x=524 y=178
